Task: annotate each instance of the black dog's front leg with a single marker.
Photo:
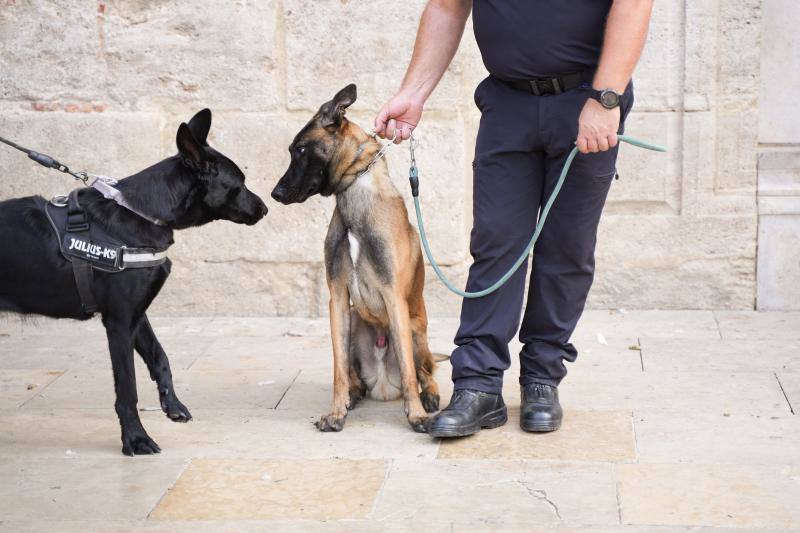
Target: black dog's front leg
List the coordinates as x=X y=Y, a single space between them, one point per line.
x=157 y=363
x=135 y=440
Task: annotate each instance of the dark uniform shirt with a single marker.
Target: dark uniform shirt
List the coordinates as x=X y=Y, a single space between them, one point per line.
x=524 y=39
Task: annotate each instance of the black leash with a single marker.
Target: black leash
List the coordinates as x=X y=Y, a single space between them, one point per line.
x=47 y=161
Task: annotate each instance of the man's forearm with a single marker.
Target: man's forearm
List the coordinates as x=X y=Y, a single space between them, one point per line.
x=626 y=32
x=440 y=29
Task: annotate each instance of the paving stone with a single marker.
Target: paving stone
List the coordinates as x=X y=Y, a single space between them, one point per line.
x=215 y=526
x=19 y=386
x=698 y=436
x=716 y=392
x=248 y=489
x=763 y=496
x=217 y=433
x=758 y=325
x=266 y=354
x=625 y=325
x=741 y=355
x=90 y=350
x=499 y=492
x=790 y=385
x=586 y=436
x=207 y=389
x=60 y=489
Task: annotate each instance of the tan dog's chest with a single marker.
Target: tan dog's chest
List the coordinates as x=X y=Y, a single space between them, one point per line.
x=363 y=285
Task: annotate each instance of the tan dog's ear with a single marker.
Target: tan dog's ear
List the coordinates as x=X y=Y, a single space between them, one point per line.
x=332 y=113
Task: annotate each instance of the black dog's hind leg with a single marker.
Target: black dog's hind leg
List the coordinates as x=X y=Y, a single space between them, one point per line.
x=135 y=440
x=157 y=363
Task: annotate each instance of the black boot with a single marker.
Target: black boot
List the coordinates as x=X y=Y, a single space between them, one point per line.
x=469 y=411
x=541 y=411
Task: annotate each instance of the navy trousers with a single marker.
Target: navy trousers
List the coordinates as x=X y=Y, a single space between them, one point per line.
x=522 y=143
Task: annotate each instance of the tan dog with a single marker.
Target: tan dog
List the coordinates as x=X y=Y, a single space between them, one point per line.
x=372 y=259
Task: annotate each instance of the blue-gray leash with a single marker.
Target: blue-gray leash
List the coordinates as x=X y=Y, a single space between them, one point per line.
x=413 y=177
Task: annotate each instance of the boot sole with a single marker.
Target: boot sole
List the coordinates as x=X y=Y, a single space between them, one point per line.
x=545 y=427
x=489 y=421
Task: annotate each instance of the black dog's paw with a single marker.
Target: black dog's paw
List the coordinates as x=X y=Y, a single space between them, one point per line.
x=330 y=423
x=175 y=410
x=430 y=402
x=138 y=443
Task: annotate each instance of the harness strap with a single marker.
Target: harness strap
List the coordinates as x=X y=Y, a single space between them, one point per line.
x=84 y=277
x=81 y=269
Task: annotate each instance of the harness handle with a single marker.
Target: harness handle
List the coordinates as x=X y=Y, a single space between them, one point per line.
x=414 y=181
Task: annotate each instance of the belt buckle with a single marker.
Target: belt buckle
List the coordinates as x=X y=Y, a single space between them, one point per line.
x=556 y=86
x=535 y=87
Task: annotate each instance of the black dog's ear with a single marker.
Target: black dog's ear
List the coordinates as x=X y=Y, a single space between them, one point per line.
x=192 y=152
x=331 y=113
x=200 y=126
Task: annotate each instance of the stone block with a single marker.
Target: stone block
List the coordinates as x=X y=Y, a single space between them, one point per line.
x=47 y=61
x=113 y=144
x=20 y=386
x=330 y=44
x=779 y=262
x=162 y=54
x=751 y=326
x=659 y=76
x=241 y=489
x=745 y=496
x=522 y=493
x=59 y=489
x=240 y=288
x=709 y=258
x=608 y=437
x=702 y=438
x=649 y=180
x=780 y=47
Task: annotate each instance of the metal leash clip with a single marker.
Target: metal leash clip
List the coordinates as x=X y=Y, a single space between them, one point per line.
x=413 y=173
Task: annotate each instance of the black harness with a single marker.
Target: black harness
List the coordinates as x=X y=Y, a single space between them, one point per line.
x=90 y=247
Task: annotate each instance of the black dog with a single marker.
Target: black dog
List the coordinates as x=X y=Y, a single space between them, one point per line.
x=189 y=189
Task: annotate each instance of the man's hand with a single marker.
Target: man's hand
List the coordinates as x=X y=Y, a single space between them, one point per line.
x=398 y=118
x=597 y=127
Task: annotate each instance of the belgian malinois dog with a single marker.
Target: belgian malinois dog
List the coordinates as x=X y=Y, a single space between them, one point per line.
x=372 y=259
x=194 y=187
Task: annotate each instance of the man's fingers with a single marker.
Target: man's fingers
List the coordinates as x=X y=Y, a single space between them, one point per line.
x=602 y=143
x=406 y=133
x=612 y=140
x=379 y=126
x=391 y=128
x=592 y=143
x=583 y=146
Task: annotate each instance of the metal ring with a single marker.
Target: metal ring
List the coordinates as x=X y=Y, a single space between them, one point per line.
x=60 y=200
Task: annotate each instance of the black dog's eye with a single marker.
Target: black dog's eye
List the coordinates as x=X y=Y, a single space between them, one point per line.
x=300 y=150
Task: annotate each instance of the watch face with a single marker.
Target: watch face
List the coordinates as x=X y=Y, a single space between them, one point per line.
x=609 y=99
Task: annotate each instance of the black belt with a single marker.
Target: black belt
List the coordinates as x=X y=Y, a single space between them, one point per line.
x=552 y=84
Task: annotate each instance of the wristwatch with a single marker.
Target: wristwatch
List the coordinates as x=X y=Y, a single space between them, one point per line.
x=608 y=98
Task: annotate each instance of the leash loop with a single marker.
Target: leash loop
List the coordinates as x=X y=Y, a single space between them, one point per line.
x=414 y=180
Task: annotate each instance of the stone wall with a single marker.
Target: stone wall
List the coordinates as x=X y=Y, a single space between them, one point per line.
x=779 y=159
x=104 y=85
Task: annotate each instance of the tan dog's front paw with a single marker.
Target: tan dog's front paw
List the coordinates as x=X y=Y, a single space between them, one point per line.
x=330 y=422
x=419 y=423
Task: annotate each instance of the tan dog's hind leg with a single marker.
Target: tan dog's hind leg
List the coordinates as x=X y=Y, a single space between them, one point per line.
x=401 y=338
x=340 y=336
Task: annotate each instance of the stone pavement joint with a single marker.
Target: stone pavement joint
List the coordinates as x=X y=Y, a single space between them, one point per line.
x=783 y=391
